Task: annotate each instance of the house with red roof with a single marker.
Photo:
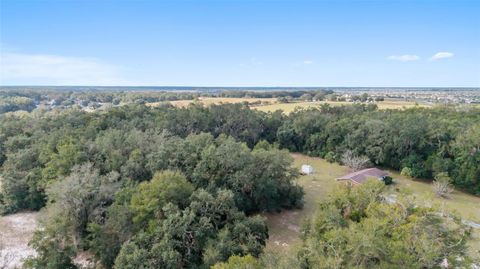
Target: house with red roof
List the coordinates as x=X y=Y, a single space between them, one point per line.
x=361 y=176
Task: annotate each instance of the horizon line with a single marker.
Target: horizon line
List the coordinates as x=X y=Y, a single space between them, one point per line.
x=236 y=87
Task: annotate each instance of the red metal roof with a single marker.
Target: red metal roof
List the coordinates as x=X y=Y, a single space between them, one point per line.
x=362 y=175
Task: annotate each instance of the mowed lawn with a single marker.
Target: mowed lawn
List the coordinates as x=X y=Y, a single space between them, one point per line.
x=284 y=227
x=290 y=107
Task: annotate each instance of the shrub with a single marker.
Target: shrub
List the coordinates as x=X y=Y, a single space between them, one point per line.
x=237 y=262
x=330 y=157
x=406 y=171
x=355 y=162
x=441 y=186
x=263 y=144
x=388 y=180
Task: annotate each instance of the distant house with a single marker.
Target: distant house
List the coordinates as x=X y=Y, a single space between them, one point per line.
x=361 y=176
x=306 y=169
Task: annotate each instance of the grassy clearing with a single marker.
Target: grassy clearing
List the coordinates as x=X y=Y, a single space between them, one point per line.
x=284 y=227
x=289 y=107
x=271 y=104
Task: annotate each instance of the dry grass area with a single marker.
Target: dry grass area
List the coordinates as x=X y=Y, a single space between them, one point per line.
x=15 y=232
x=289 y=107
x=284 y=227
x=271 y=104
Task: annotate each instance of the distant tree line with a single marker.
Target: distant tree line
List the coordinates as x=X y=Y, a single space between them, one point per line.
x=26 y=99
x=14 y=103
x=274 y=94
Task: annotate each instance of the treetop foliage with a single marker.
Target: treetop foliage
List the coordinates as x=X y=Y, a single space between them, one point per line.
x=128 y=184
x=133 y=181
x=356 y=228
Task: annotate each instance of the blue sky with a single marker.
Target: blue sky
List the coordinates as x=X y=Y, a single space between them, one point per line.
x=240 y=43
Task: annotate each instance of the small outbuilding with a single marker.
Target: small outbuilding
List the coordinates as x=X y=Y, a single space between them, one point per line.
x=306 y=169
x=361 y=176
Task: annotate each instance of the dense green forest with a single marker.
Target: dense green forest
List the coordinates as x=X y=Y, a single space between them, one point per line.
x=420 y=142
x=169 y=187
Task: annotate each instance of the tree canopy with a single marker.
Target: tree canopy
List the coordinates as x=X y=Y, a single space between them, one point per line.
x=133 y=181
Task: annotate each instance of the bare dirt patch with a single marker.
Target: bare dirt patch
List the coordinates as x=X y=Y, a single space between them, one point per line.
x=15 y=232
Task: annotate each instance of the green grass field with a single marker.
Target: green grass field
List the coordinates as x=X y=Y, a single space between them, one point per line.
x=284 y=227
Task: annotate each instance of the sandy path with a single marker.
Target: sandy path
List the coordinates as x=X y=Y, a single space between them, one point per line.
x=15 y=232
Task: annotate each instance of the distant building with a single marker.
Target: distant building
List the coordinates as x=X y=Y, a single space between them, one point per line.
x=361 y=176
x=306 y=169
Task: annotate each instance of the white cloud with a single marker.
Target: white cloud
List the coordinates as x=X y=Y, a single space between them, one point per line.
x=403 y=58
x=19 y=68
x=252 y=62
x=441 y=55
x=303 y=63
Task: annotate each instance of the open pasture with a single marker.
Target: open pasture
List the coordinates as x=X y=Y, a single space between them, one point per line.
x=290 y=107
x=272 y=104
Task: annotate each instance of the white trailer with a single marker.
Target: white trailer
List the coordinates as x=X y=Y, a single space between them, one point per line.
x=306 y=169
